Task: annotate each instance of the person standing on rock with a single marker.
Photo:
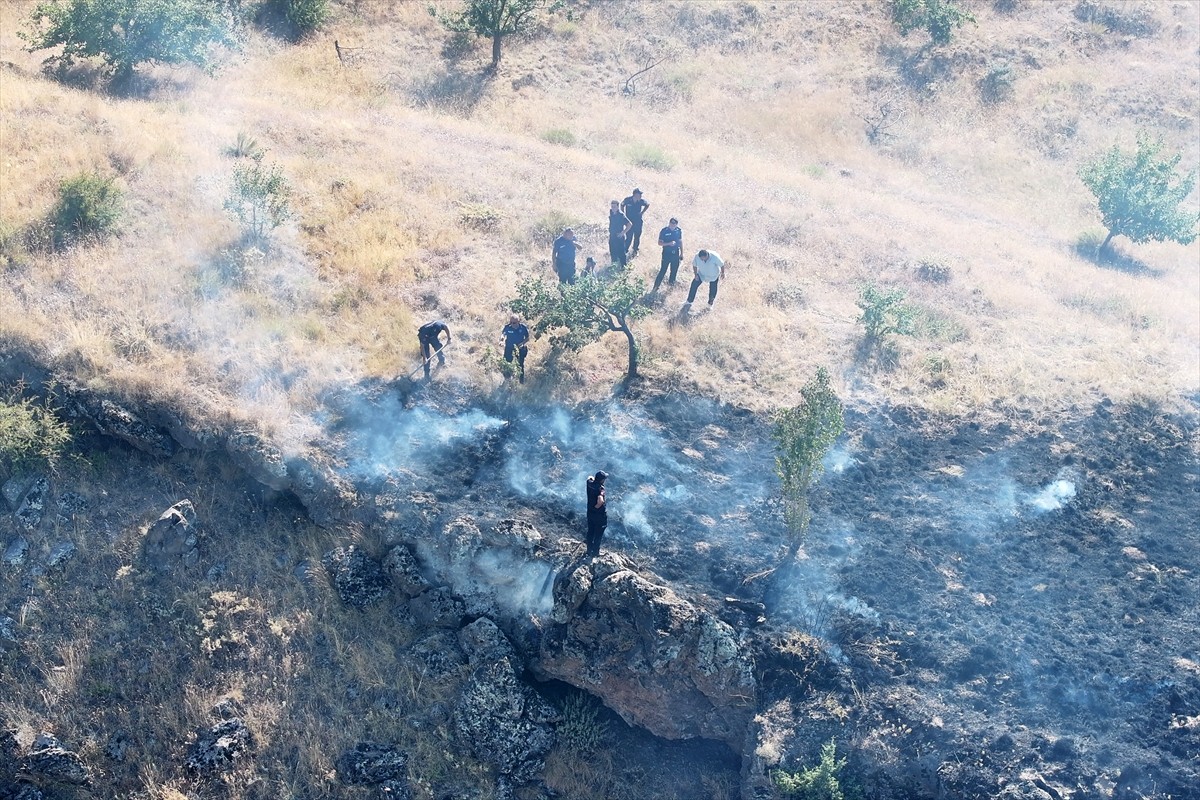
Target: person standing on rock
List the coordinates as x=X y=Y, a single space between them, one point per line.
x=597 y=512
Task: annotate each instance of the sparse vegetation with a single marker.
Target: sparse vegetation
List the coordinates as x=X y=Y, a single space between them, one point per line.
x=89 y=205
x=305 y=16
x=32 y=435
x=650 y=157
x=259 y=197
x=1140 y=194
x=582 y=730
x=822 y=781
x=124 y=34
x=559 y=136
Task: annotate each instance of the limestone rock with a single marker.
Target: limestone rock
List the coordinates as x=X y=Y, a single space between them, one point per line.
x=217 y=749
x=406 y=575
x=60 y=553
x=116 y=420
x=49 y=760
x=29 y=512
x=483 y=641
x=358 y=578
x=651 y=656
x=14 y=554
x=173 y=538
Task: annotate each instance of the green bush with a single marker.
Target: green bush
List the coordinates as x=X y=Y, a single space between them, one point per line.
x=305 y=16
x=932 y=271
x=88 y=205
x=479 y=216
x=581 y=731
x=548 y=227
x=259 y=197
x=650 y=157
x=884 y=312
x=560 y=136
x=30 y=435
x=997 y=85
x=821 y=782
x=940 y=18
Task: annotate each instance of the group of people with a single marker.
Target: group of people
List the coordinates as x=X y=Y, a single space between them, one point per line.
x=515 y=335
x=625 y=220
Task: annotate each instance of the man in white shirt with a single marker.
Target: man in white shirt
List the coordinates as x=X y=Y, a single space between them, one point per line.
x=708 y=267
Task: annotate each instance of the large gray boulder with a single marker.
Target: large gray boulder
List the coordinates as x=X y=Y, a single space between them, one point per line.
x=49 y=760
x=659 y=661
x=358 y=578
x=173 y=538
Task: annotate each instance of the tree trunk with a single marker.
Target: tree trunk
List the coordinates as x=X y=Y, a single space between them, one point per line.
x=633 y=351
x=1104 y=245
x=496 y=37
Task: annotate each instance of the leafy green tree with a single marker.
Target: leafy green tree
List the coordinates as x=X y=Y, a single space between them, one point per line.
x=939 y=17
x=126 y=33
x=496 y=19
x=89 y=204
x=31 y=435
x=803 y=434
x=1140 y=193
x=575 y=315
x=259 y=197
x=820 y=782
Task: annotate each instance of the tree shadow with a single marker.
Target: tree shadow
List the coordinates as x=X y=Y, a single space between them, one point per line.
x=453 y=90
x=1113 y=259
x=921 y=70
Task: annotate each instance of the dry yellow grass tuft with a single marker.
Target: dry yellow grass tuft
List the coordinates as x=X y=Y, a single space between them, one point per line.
x=751 y=132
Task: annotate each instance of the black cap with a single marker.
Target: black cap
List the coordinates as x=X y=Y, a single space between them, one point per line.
x=601 y=475
x=674 y=220
x=637 y=191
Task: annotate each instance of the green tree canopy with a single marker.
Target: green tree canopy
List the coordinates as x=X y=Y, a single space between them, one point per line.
x=575 y=315
x=126 y=33
x=1140 y=193
x=803 y=434
x=939 y=17
x=496 y=19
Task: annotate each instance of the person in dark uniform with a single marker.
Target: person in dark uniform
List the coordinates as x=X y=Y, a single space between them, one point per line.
x=563 y=257
x=516 y=339
x=634 y=207
x=429 y=336
x=670 y=239
x=597 y=512
x=618 y=229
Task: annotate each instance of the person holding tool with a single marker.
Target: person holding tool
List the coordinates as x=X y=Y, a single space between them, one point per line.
x=516 y=340
x=429 y=336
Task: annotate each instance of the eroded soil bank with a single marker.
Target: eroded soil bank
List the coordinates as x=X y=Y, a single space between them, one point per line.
x=981 y=609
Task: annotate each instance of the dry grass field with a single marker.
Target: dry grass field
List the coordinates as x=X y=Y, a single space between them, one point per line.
x=423 y=189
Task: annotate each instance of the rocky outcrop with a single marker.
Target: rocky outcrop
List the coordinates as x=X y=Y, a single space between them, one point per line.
x=358 y=578
x=379 y=765
x=657 y=660
x=173 y=538
x=218 y=749
x=116 y=420
x=49 y=760
x=504 y=721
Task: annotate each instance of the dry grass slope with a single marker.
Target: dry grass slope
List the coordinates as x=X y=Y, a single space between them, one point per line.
x=754 y=132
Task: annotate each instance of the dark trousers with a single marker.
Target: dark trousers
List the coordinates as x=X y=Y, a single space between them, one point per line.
x=616 y=249
x=566 y=273
x=633 y=239
x=670 y=260
x=712 y=290
x=596 y=525
x=428 y=348
x=520 y=352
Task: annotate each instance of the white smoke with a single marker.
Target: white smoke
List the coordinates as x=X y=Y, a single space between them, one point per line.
x=1054 y=495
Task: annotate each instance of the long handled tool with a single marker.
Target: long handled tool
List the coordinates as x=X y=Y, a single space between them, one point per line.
x=432 y=355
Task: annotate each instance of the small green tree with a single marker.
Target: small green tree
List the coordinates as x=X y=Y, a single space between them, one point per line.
x=821 y=782
x=803 y=434
x=126 y=33
x=1139 y=194
x=575 y=315
x=496 y=19
x=89 y=204
x=259 y=197
x=939 y=17
x=883 y=313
